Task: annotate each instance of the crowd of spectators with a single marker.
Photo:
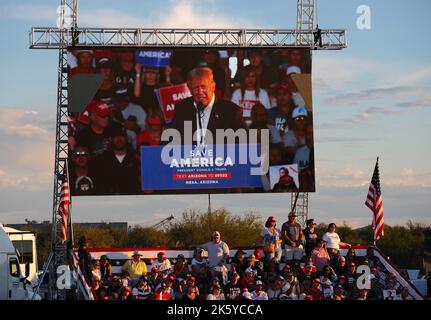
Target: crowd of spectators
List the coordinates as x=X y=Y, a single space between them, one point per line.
x=126 y=109
x=290 y=263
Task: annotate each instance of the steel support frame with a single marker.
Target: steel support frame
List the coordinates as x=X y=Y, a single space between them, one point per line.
x=54 y=38
x=301 y=208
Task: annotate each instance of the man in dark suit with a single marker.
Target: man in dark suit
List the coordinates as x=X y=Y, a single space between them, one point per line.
x=203 y=109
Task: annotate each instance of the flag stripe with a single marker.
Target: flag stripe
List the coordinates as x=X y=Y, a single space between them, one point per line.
x=375 y=203
x=63 y=209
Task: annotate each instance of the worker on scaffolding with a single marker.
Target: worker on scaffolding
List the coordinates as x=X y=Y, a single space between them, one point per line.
x=318 y=36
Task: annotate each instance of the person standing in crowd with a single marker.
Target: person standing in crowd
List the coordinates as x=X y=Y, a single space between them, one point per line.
x=107 y=88
x=105 y=269
x=135 y=267
x=200 y=266
x=124 y=69
x=131 y=116
x=117 y=168
x=250 y=93
x=280 y=115
x=340 y=266
x=151 y=136
x=97 y=135
x=292 y=237
x=310 y=236
x=333 y=242
x=85 y=60
x=270 y=236
x=218 y=253
x=85 y=259
x=320 y=256
x=147 y=81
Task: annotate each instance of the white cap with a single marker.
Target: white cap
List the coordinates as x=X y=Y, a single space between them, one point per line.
x=299 y=111
x=247 y=295
x=293 y=69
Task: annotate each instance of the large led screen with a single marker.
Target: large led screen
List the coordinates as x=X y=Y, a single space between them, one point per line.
x=176 y=121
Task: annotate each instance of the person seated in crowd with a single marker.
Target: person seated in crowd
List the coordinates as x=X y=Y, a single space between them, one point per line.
x=239 y=262
x=351 y=281
x=117 y=169
x=135 y=267
x=310 y=236
x=274 y=287
x=327 y=289
x=105 y=269
x=291 y=288
x=351 y=256
x=96 y=271
x=292 y=236
x=309 y=271
x=180 y=268
x=142 y=290
x=162 y=292
x=129 y=115
x=247 y=279
x=259 y=293
x=162 y=262
x=216 y=293
x=363 y=294
x=341 y=266
x=233 y=288
x=339 y=293
x=320 y=256
x=295 y=139
x=189 y=284
x=192 y=294
x=328 y=273
x=316 y=290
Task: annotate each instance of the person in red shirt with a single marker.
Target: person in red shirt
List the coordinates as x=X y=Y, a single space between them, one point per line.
x=162 y=293
x=152 y=134
x=316 y=290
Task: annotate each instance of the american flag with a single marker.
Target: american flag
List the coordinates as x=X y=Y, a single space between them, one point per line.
x=374 y=202
x=63 y=209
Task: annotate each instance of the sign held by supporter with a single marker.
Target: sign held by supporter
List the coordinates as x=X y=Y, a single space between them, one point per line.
x=153 y=58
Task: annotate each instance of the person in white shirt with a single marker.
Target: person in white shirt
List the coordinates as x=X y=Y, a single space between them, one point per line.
x=162 y=263
x=216 y=294
x=333 y=242
x=258 y=293
x=250 y=93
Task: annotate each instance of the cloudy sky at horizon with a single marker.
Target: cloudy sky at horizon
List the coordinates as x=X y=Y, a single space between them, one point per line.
x=371 y=99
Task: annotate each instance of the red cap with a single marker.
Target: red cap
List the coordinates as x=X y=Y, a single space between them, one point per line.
x=99 y=107
x=154 y=120
x=193 y=279
x=271 y=219
x=352 y=264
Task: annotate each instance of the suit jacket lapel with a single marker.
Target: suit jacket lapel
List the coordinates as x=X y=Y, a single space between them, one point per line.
x=214 y=117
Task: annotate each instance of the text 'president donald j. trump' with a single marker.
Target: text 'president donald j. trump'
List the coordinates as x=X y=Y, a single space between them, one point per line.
x=204 y=110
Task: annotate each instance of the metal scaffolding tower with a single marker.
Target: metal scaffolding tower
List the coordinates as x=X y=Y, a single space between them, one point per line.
x=68 y=34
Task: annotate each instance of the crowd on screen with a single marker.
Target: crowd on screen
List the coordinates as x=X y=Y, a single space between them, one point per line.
x=293 y=264
x=125 y=113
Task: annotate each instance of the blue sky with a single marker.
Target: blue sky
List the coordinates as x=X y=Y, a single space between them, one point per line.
x=371 y=99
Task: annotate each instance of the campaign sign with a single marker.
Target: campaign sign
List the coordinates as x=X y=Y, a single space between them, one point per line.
x=169 y=96
x=153 y=58
x=198 y=167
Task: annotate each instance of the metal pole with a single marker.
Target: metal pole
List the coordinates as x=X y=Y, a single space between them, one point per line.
x=43 y=275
